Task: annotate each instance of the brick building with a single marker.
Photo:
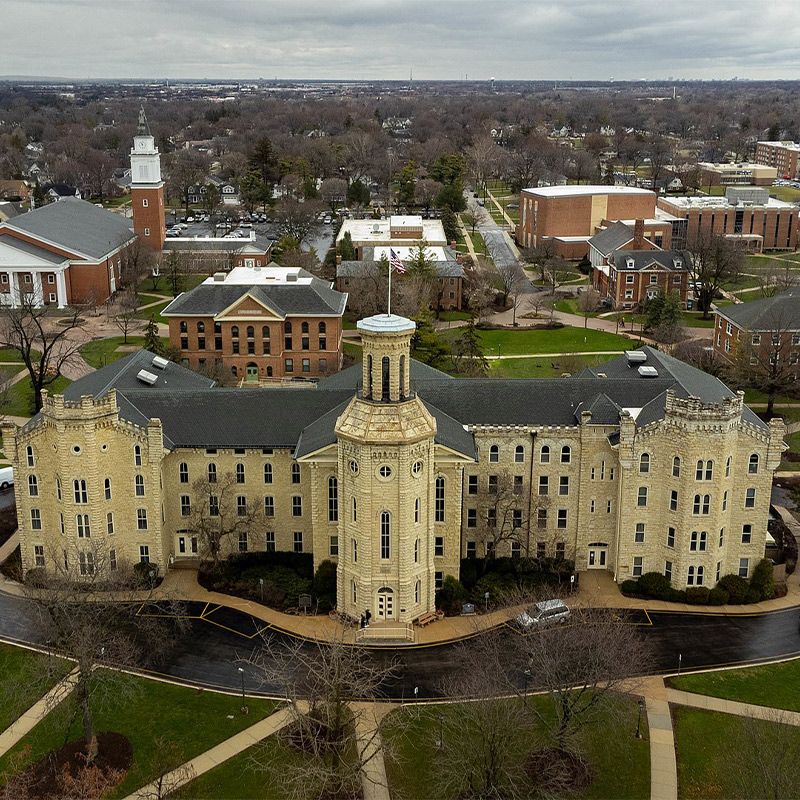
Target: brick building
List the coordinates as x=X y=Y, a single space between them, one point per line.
x=571 y=215
x=257 y=324
x=770 y=325
x=743 y=174
x=62 y=254
x=147 y=188
x=783 y=156
x=749 y=214
x=395 y=471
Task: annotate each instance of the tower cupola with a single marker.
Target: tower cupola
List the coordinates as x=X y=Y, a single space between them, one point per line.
x=386 y=360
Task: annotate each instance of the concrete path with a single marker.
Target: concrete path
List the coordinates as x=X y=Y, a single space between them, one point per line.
x=37 y=712
x=169 y=783
x=9 y=546
x=557 y=355
x=732 y=707
x=374 y=782
x=663 y=764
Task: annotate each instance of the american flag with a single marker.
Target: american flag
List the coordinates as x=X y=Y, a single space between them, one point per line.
x=395 y=262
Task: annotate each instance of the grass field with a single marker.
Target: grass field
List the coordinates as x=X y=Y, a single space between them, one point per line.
x=786 y=193
x=542 y=367
x=774 y=685
x=9 y=354
x=620 y=763
x=708 y=744
x=100 y=352
x=191 y=720
x=558 y=340
x=20 y=396
x=154 y=312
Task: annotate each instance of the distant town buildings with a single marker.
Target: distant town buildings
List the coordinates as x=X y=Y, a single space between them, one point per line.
x=742 y=174
x=781 y=155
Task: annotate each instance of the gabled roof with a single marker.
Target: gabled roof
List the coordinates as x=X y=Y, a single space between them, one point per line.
x=258 y=246
x=76 y=226
x=778 y=313
x=611 y=238
x=637 y=260
x=603 y=409
x=350 y=378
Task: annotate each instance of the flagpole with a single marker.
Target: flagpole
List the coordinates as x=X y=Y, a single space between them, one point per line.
x=389 y=307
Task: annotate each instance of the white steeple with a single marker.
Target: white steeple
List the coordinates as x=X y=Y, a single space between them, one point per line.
x=145 y=158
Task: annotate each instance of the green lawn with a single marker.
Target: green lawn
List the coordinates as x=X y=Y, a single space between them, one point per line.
x=620 y=763
x=755 y=396
x=542 y=367
x=100 y=352
x=452 y=316
x=20 y=396
x=558 y=340
x=190 y=719
x=786 y=193
x=154 y=311
x=145 y=299
x=694 y=319
x=774 y=685
x=10 y=354
x=21 y=683
x=569 y=305
x=352 y=350
x=708 y=746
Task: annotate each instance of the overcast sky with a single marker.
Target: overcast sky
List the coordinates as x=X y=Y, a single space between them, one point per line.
x=440 y=39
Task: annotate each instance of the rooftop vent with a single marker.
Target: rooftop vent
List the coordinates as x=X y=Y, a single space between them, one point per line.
x=648 y=372
x=602 y=375
x=146 y=377
x=159 y=362
x=291 y=277
x=636 y=357
x=219 y=277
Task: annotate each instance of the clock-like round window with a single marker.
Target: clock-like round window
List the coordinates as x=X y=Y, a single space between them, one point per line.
x=353 y=467
x=416 y=469
x=385 y=472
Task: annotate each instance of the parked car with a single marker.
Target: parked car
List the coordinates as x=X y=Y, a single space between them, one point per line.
x=6 y=477
x=548 y=612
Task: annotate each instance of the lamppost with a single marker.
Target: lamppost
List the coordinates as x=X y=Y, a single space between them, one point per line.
x=486 y=599
x=241 y=675
x=527 y=675
x=440 y=742
x=152 y=575
x=261 y=588
x=639 y=720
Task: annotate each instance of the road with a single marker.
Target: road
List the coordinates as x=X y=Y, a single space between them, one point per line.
x=218 y=638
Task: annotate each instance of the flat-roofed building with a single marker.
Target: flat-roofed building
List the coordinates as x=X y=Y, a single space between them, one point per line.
x=784 y=156
x=395 y=231
x=743 y=174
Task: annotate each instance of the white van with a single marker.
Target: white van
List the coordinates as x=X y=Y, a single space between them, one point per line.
x=547 y=612
x=6 y=477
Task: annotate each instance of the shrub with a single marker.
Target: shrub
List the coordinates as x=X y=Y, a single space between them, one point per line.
x=762 y=580
x=36 y=577
x=142 y=572
x=752 y=596
x=452 y=594
x=654 y=584
x=324 y=585
x=677 y=596
x=736 y=587
x=717 y=597
x=697 y=595
x=630 y=586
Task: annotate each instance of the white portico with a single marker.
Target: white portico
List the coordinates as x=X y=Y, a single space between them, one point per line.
x=26 y=269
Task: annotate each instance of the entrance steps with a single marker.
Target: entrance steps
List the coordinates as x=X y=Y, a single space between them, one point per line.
x=186 y=563
x=386 y=633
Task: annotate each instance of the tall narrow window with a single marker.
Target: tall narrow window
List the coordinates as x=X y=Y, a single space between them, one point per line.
x=544 y=454
x=494 y=454
x=137 y=455
x=385 y=378
x=212 y=472
x=107 y=488
x=676 y=467
x=369 y=376
x=402 y=375
x=138 y=483
x=295 y=473
x=439 y=506
x=267 y=473
x=386 y=535
x=240 y=473
x=566 y=454
x=355 y=510
x=752 y=464
x=644 y=463
x=29 y=456
x=333 y=499
x=80 y=492
x=33 y=486
x=519 y=454
x=183 y=472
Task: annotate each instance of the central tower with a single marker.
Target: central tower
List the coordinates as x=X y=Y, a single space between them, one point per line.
x=386 y=468
x=147 y=188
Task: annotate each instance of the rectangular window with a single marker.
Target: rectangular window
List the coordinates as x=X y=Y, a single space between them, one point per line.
x=544 y=484
x=471 y=550
x=295 y=473
x=541 y=549
x=438 y=580
x=744 y=567
x=747 y=534
x=472 y=517
x=297 y=506
x=516 y=549
x=141 y=519
x=38 y=555
x=110 y=523
x=491 y=518
x=670 y=537
x=439 y=500
x=288 y=365
x=750 y=498
x=492 y=483
x=144 y=554
x=269 y=506
x=333 y=546
x=518 y=481
x=638 y=566
x=86 y=560
x=561 y=550
x=638 y=535
x=438 y=546
x=298 y=541
x=563 y=485
x=668 y=570
x=641 y=498
x=673 y=500
x=242 y=541
x=562 y=518
x=541 y=518
x=186 y=505
x=36 y=519
x=241 y=506
x=269 y=541
x=472 y=484
x=516 y=519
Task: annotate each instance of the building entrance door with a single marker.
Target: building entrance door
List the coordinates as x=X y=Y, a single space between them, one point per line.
x=597 y=556
x=252 y=373
x=187 y=545
x=385 y=604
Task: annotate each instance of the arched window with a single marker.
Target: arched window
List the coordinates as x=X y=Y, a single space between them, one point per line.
x=265 y=332
x=201 y=327
x=544 y=454
x=212 y=472
x=267 y=473
x=416 y=511
x=323 y=327
x=519 y=454
x=354 y=590
x=30 y=457
x=183 y=472
x=566 y=454
x=386 y=535
x=107 y=488
x=676 y=467
x=417 y=587
x=704 y=471
x=269 y=372
x=240 y=473
x=385 y=378
x=138 y=483
x=80 y=492
x=333 y=499
x=137 y=455
x=184 y=326
x=494 y=454
x=369 y=376
x=416 y=551
x=752 y=464
x=402 y=376
x=287 y=326
x=728 y=467
x=234 y=331
x=304 y=327
x=644 y=462
x=33 y=486
x=355 y=510
x=251 y=332
x=439 y=505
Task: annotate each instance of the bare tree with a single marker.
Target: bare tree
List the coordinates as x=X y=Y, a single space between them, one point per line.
x=295 y=219
x=166 y=754
x=45 y=346
x=136 y=262
x=587 y=303
x=319 y=680
x=218 y=514
x=334 y=192
x=776 y=278
x=481 y=291
x=715 y=260
x=125 y=316
x=470 y=219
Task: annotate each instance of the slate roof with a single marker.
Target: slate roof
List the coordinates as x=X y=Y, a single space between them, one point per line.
x=781 y=312
x=208 y=299
x=357 y=269
x=603 y=409
x=32 y=249
x=77 y=226
x=611 y=238
x=642 y=259
x=350 y=378
x=258 y=245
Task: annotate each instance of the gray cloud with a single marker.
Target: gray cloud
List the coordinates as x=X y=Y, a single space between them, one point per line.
x=440 y=39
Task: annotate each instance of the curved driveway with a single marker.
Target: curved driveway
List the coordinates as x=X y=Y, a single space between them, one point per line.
x=219 y=637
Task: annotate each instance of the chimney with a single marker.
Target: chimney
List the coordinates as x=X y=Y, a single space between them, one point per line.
x=638 y=234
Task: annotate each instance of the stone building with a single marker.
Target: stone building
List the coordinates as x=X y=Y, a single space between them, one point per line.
x=396 y=471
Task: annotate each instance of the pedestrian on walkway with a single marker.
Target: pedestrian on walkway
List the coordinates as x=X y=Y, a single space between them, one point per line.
x=622 y=322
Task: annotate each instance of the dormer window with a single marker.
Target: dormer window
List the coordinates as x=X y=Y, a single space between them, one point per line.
x=629 y=263
x=677 y=263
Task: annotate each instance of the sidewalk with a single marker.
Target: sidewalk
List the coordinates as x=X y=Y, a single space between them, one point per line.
x=369 y=716
x=663 y=763
x=709 y=703
x=37 y=712
x=172 y=781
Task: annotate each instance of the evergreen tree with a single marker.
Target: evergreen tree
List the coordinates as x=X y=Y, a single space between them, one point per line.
x=468 y=358
x=406 y=179
x=450 y=224
x=264 y=160
x=346 y=249
x=452 y=196
x=152 y=341
x=427 y=346
x=358 y=194
x=420 y=263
